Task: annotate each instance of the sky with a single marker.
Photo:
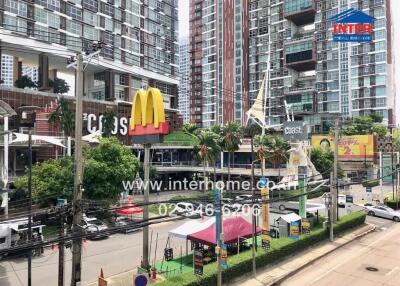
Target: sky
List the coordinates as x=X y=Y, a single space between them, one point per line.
x=183 y=19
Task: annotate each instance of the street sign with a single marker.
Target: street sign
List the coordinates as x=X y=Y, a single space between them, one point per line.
x=295 y=229
x=140 y=280
x=265 y=208
x=224 y=256
x=217 y=212
x=302 y=177
x=198 y=262
x=349 y=203
x=295 y=130
x=263 y=182
x=305 y=226
x=368 y=191
x=265 y=239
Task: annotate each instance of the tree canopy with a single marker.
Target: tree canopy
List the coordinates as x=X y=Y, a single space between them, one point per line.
x=106 y=166
x=365 y=125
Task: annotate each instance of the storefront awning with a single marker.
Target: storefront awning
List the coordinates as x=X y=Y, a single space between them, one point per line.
x=190 y=227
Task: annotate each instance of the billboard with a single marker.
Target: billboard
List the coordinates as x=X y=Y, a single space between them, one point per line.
x=350 y=147
x=352 y=26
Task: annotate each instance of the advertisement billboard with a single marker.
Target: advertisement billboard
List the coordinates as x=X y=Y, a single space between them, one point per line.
x=350 y=147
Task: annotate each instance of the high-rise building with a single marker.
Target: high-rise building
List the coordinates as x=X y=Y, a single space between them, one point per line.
x=9 y=67
x=316 y=76
x=183 y=99
x=140 y=41
x=7 y=70
x=219 y=61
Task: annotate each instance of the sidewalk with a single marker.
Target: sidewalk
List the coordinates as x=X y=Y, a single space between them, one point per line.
x=276 y=273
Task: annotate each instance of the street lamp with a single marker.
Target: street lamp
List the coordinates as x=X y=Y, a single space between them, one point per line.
x=25 y=110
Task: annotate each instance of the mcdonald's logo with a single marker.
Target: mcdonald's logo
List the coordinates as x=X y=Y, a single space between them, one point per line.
x=148 y=115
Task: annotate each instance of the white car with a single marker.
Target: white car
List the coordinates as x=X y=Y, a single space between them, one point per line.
x=341 y=200
x=187 y=209
x=242 y=198
x=383 y=211
x=94 y=227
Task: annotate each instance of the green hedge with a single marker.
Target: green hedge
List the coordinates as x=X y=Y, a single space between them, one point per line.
x=392 y=204
x=241 y=264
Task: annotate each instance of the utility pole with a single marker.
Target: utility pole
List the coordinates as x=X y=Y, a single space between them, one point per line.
x=61 y=250
x=253 y=217
x=30 y=206
x=334 y=182
x=145 y=258
x=330 y=211
x=219 y=220
x=5 y=172
x=77 y=205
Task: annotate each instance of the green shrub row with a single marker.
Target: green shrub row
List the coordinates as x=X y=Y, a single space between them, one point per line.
x=393 y=204
x=241 y=264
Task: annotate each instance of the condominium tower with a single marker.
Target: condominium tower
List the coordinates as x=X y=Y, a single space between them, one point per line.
x=315 y=76
x=219 y=61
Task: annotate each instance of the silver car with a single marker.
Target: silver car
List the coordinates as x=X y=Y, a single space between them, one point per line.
x=383 y=211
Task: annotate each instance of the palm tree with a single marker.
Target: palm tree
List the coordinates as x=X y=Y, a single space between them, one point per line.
x=277 y=150
x=261 y=153
x=232 y=133
x=189 y=128
x=208 y=149
x=107 y=122
x=64 y=118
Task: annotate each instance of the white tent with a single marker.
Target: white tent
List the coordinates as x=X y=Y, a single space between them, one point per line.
x=190 y=227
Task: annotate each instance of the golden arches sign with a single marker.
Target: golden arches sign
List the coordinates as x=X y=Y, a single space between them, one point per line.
x=148 y=114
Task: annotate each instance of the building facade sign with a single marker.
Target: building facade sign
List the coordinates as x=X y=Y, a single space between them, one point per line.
x=352 y=26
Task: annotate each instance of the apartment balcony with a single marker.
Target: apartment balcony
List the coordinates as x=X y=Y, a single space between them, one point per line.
x=300 y=12
x=300 y=55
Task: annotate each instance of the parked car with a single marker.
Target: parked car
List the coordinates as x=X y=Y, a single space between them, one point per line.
x=127 y=225
x=383 y=211
x=187 y=210
x=94 y=227
x=341 y=200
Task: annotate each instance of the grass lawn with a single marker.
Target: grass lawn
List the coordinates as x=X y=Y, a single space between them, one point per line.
x=175 y=267
x=50 y=230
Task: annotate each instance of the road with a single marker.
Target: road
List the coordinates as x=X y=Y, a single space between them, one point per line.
x=347 y=266
x=118 y=253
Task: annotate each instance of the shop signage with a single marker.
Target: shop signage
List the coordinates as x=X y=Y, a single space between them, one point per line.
x=198 y=262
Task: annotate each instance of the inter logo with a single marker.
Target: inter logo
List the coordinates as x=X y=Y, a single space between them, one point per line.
x=352 y=26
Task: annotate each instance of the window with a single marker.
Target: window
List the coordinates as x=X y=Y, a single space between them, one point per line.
x=108 y=24
x=16 y=7
x=90 y=33
x=90 y=18
x=74 y=27
x=90 y=4
x=74 y=12
x=15 y=24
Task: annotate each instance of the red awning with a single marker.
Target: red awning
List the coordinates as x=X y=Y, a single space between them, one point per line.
x=234 y=228
x=129 y=210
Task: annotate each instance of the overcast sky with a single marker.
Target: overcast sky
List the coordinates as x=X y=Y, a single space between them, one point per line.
x=183 y=19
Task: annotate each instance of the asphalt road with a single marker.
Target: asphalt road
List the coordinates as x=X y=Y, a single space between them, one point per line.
x=379 y=251
x=118 y=253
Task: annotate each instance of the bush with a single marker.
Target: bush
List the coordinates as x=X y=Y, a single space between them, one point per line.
x=371 y=184
x=393 y=204
x=241 y=264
